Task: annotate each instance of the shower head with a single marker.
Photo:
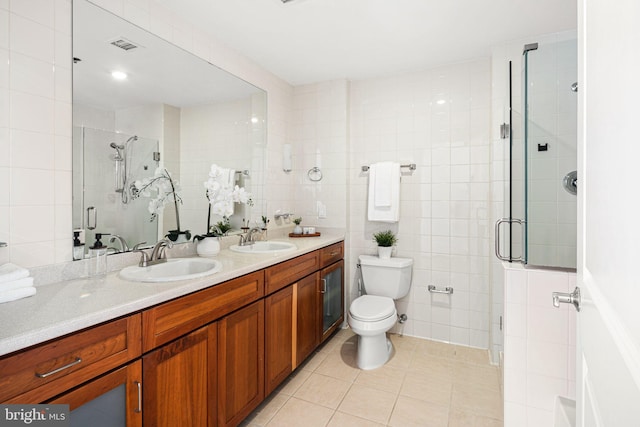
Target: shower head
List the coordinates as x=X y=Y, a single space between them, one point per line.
x=133 y=138
x=117 y=147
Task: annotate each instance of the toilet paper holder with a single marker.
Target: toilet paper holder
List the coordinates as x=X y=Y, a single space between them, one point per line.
x=434 y=290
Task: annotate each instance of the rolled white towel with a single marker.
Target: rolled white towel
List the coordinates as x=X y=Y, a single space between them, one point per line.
x=16 y=284
x=11 y=271
x=14 y=294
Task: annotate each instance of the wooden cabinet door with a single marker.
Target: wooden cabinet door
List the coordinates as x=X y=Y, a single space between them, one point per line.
x=179 y=381
x=240 y=363
x=113 y=399
x=308 y=307
x=279 y=332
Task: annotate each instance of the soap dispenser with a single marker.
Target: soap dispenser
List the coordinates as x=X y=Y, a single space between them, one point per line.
x=78 y=246
x=98 y=257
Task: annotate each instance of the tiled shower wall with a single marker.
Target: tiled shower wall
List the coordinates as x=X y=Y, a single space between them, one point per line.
x=439 y=120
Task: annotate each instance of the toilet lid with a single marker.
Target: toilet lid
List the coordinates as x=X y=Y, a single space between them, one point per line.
x=371 y=308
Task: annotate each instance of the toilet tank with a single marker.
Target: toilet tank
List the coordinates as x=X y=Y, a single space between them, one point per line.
x=389 y=277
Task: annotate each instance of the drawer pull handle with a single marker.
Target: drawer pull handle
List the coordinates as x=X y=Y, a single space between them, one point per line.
x=60 y=369
x=324 y=286
x=139 y=408
x=334 y=253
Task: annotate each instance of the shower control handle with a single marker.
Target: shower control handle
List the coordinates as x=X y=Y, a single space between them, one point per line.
x=566 y=298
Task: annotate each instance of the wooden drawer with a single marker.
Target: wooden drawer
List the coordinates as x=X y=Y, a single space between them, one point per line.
x=170 y=320
x=331 y=254
x=288 y=272
x=43 y=371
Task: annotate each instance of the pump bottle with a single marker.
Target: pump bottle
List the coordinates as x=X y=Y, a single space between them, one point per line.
x=78 y=246
x=98 y=257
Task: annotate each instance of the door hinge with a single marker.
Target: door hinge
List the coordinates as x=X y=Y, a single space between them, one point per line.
x=505 y=129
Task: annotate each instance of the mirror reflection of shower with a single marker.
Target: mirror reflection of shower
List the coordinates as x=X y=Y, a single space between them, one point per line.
x=121 y=159
x=105 y=163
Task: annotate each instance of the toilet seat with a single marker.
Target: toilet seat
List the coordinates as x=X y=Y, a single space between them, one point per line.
x=372 y=308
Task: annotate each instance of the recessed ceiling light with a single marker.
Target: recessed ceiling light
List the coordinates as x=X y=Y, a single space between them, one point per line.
x=119 y=75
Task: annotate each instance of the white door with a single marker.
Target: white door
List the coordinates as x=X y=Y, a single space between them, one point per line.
x=608 y=344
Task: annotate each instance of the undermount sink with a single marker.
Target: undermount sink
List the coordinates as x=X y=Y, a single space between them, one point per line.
x=172 y=270
x=264 y=247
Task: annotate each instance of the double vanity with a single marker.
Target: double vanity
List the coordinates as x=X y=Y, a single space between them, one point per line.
x=200 y=351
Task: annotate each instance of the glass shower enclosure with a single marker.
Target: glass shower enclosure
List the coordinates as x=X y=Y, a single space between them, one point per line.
x=541 y=222
x=106 y=163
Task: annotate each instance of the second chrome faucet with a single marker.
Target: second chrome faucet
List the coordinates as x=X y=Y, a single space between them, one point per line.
x=158 y=254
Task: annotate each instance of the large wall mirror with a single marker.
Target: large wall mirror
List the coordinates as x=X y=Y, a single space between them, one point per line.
x=168 y=110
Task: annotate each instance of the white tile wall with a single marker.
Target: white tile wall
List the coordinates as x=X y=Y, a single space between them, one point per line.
x=35 y=88
x=319 y=135
x=444 y=224
x=226 y=134
x=438 y=119
x=539 y=342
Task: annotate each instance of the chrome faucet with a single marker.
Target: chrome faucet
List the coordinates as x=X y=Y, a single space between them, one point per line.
x=251 y=233
x=158 y=252
x=248 y=239
x=123 y=244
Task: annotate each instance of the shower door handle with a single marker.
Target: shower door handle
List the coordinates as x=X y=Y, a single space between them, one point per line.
x=497 y=238
x=90 y=210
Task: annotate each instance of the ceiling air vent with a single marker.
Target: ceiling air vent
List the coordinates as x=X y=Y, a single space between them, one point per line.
x=123 y=43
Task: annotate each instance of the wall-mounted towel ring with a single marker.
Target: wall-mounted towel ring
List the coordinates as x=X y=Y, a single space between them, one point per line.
x=315 y=174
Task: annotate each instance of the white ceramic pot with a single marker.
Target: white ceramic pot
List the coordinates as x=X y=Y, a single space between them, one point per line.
x=297 y=230
x=208 y=247
x=384 y=252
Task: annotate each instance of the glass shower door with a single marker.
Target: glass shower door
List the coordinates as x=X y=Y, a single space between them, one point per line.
x=550 y=150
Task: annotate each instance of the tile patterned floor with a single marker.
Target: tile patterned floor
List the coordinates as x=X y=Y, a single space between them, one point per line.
x=425 y=383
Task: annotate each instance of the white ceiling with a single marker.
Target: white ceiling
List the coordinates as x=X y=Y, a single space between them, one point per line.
x=158 y=72
x=307 y=41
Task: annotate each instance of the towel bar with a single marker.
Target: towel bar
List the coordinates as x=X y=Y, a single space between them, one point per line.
x=411 y=166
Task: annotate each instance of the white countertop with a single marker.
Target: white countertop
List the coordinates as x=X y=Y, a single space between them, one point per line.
x=61 y=308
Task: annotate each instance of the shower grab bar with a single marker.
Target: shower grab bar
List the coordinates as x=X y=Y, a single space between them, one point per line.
x=411 y=166
x=497 y=238
x=434 y=290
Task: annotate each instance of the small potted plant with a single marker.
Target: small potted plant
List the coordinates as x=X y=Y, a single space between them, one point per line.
x=297 y=229
x=386 y=240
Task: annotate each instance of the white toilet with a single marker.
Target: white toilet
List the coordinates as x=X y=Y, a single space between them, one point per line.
x=372 y=315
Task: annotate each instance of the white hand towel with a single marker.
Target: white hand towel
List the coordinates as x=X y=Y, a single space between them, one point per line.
x=382 y=175
x=16 y=284
x=390 y=213
x=10 y=272
x=17 y=294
